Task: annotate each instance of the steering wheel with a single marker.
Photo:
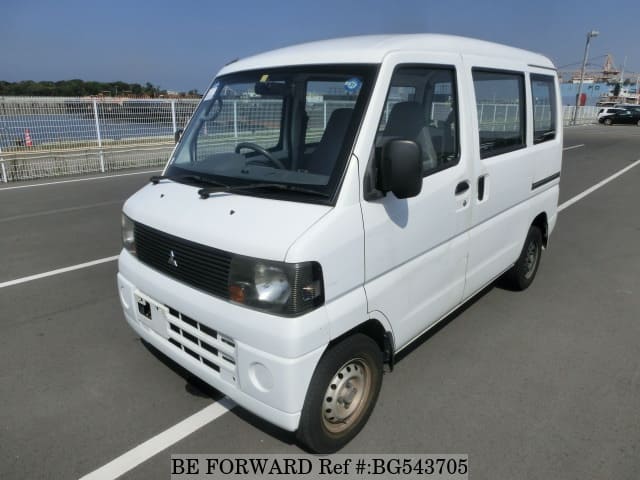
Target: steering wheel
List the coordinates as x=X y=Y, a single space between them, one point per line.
x=260 y=150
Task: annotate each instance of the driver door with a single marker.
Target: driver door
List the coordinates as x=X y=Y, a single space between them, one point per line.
x=416 y=248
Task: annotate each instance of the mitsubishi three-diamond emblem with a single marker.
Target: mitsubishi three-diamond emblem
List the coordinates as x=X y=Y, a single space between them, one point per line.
x=172 y=259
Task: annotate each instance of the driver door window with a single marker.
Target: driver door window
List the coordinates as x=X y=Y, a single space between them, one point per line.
x=421 y=107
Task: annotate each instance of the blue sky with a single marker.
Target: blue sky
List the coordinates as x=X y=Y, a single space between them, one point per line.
x=181 y=44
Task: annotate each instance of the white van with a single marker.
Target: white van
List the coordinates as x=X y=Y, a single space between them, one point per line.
x=330 y=202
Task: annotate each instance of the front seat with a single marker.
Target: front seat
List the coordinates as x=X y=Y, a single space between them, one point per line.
x=326 y=153
x=407 y=121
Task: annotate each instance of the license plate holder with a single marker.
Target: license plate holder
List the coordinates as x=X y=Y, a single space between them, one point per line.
x=152 y=314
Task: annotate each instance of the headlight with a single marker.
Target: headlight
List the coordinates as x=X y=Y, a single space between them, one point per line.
x=128 y=235
x=272 y=284
x=282 y=288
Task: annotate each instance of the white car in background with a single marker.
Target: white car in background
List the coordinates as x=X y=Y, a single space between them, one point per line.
x=603 y=112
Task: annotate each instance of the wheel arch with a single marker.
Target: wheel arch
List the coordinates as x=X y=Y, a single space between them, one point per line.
x=374 y=329
x=542 y=223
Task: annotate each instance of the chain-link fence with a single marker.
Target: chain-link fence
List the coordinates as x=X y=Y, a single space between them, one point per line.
x=47 y=137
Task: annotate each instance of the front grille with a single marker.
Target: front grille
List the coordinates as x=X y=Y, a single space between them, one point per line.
x=213 y=349
x=200 y=266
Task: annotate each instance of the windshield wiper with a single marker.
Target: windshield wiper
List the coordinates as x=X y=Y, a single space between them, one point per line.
x=156 y=178
x=213 y=186
x=206 y=192
x=188 y=178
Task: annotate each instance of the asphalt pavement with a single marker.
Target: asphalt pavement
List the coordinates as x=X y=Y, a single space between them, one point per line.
x=539 y=384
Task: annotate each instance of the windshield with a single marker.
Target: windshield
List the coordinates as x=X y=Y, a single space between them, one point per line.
x=293 y=127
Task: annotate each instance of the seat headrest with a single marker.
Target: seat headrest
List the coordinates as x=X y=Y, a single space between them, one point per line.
x=405 y=120
x=324 y=156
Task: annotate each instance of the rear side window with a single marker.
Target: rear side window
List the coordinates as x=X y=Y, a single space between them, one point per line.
x=500 y=102
x=543 y=92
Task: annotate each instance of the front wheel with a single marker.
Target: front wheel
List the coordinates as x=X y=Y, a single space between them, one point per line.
x=608 y=121
x=342 y=393
x=521 y=275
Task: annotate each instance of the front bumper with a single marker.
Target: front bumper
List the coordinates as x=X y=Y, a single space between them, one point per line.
x=262 y=362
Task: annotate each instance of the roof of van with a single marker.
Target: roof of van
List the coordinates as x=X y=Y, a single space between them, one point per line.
x=373 y=48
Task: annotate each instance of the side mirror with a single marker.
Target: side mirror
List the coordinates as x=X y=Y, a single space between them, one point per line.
x=400 y=168
x=177 y=135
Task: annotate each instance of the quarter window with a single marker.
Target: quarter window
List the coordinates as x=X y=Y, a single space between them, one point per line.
x=543 y=92
x=501 y=111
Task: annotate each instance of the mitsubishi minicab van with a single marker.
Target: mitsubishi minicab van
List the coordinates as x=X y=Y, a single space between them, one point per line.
x=330 y=202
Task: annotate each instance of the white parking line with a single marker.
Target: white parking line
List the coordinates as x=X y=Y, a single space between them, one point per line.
x=60 y=210
x=18 y=281
x=598 y=185
x=573 y=146
x=88 y=179
x=144 y=451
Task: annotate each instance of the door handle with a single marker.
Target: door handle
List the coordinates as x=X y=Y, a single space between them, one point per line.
x=481 y=188
x=462 y=187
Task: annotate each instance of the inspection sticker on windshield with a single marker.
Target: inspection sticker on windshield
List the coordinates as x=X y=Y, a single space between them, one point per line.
x=352 y=85
x=212 y=91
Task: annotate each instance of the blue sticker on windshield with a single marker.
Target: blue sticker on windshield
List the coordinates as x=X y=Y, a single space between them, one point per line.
x=352 y=85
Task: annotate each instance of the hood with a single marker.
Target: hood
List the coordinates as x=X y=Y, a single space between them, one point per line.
x=242 y=224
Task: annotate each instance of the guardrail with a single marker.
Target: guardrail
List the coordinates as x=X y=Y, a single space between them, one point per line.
x=58 y=136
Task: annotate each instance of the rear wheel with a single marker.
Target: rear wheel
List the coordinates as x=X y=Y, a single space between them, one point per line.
x=343 y=391
x=608 y=121
x=521 y=275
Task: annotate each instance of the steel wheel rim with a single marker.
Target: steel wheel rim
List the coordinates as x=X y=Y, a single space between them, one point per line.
x=346 y=396
x=530 y=259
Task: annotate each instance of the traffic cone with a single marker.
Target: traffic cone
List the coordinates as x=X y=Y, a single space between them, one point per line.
x=27 y=138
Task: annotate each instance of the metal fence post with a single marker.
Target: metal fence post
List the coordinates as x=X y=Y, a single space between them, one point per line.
x=324 y=107
x=4 y=172
x=235 y=119
x=173 y=116
x=95 y=115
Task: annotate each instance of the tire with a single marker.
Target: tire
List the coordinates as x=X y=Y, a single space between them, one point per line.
x=353 y=369
x=521 y=275
x=608 y=121
x=638 y=123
